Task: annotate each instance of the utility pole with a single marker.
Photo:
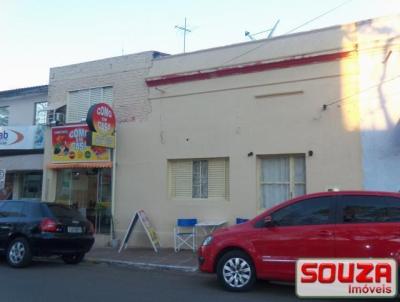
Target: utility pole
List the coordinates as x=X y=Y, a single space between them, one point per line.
x=185 y=30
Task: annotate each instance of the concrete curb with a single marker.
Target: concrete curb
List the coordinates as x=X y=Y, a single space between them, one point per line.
x=143 y=265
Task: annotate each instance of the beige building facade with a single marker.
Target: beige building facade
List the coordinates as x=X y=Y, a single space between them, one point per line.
x=224 y=133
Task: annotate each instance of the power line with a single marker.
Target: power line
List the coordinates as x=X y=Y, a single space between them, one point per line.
x=323 y=14
x=290 y=31
x=325 y=106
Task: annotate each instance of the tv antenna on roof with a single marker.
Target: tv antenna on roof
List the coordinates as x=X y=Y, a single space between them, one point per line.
x=271 y=32
x=185 y=30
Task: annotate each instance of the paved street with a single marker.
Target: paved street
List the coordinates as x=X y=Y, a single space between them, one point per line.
x=54 y=281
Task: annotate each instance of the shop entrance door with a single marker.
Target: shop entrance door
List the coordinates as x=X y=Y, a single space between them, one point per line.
x=88 y=190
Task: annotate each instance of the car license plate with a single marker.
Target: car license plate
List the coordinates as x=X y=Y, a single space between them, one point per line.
x=74 y=230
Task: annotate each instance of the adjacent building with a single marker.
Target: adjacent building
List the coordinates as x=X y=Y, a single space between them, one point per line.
x=22 y=116
x=225 y=133
x=77 y=174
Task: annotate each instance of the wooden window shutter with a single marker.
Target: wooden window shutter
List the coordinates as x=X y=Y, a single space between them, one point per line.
x=80 y=101
x=107 y=96
x=78 y=105
x=217 y=178
x=181 y=179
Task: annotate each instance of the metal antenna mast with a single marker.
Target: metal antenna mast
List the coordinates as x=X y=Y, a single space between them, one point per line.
x=185 y=30
x=271 y=32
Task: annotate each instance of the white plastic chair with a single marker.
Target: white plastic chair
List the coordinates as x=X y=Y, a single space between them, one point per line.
x=185 y=234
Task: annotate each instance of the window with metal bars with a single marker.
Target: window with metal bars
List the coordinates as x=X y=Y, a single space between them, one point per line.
x=199 y=178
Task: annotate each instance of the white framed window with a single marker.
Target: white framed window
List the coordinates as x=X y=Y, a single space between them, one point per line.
x=4 y=114
x=281 y=178
x=40 y=113
x=79 y=102
x=199 y=178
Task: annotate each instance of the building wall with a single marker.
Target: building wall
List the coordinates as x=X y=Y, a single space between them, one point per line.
x=316 y=107
x=21 y=104
x=125 y=74
x=353 y=138
x=379 y=103
x=268 y=113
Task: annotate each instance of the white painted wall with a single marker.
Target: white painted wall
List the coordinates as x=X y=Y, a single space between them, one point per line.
x=379 y=103
x=22 y=108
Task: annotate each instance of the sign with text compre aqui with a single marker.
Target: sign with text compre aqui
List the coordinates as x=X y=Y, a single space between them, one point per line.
x=148 y=227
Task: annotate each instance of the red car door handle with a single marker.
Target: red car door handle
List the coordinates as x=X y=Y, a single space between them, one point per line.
x=325 y=233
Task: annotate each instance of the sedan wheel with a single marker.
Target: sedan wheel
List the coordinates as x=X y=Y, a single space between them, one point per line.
x=236 y=271
x=19 y=253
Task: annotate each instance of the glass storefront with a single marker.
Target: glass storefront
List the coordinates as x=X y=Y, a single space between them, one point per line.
x=7 y=192
x=24 y=185
x=31 y=185
x=88 y=190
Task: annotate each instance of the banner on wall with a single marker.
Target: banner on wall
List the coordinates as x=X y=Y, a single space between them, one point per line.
x=69 y=144
x=21 y=137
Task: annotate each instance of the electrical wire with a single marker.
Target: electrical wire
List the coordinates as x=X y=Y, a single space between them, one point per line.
x=290 y=31
x=313 y=19
x=325 y=106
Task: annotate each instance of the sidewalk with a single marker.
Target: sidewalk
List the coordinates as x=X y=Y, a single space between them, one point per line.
x=184 y=260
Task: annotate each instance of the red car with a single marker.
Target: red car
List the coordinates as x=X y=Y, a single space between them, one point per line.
x=352 y=224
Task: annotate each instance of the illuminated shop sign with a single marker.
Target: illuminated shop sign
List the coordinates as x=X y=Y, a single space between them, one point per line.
x=69 y=144
x=101 y=121
x=21 y=137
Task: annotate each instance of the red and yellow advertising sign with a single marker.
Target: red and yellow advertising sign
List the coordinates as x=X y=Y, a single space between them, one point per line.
x=69 y=144
x=101 y=119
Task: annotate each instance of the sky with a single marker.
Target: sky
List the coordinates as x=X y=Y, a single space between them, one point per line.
x=36 y=35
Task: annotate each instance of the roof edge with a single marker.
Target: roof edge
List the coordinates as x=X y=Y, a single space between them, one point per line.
x=24 y=91
x=283 y=36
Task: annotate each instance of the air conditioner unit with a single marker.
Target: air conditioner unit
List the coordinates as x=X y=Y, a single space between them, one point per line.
x=55 y=118
x=59 y=117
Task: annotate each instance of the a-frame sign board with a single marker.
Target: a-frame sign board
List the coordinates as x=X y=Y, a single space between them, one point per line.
x=150 y=231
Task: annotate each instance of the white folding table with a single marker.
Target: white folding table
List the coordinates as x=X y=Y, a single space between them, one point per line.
x=207 y=227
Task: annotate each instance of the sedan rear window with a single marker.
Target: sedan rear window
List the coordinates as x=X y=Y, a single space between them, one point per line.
x=367 y=209
x=12 y=209
x=61 y=211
